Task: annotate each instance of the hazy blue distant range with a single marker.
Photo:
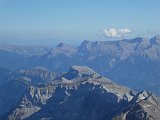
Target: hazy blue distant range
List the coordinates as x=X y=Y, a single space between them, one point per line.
x=131 y=62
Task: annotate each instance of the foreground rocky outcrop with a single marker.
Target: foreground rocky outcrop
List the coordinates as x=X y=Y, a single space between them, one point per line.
x=79 y=94
x=144 y=106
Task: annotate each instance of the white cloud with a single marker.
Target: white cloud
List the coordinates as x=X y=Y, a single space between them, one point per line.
x=124 y=31
x=113 y=32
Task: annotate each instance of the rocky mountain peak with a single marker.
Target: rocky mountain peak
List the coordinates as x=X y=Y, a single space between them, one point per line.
x=85 y=42
x=85 y=46
x=143 y=95
x=155 y=40
x=62 y=48
x=157 y=37
x=80 y=71
x=62 y=45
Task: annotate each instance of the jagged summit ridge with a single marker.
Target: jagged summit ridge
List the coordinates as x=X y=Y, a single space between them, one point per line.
x=61 y=44
x=80 y=71
x=62 y=49
x=88 y=96
x=155 y=40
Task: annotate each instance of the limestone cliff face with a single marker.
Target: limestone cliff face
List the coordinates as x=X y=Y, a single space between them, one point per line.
x=144 y=106
x=80 y=95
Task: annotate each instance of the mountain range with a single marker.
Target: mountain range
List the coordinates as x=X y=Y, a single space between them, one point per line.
x=131 y=62
x=79 y=94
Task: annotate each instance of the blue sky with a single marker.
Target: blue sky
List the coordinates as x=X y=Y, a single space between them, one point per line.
x=77 y=19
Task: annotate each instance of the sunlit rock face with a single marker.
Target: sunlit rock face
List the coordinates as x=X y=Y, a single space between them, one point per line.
x=79 y=94
x=79 y=71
